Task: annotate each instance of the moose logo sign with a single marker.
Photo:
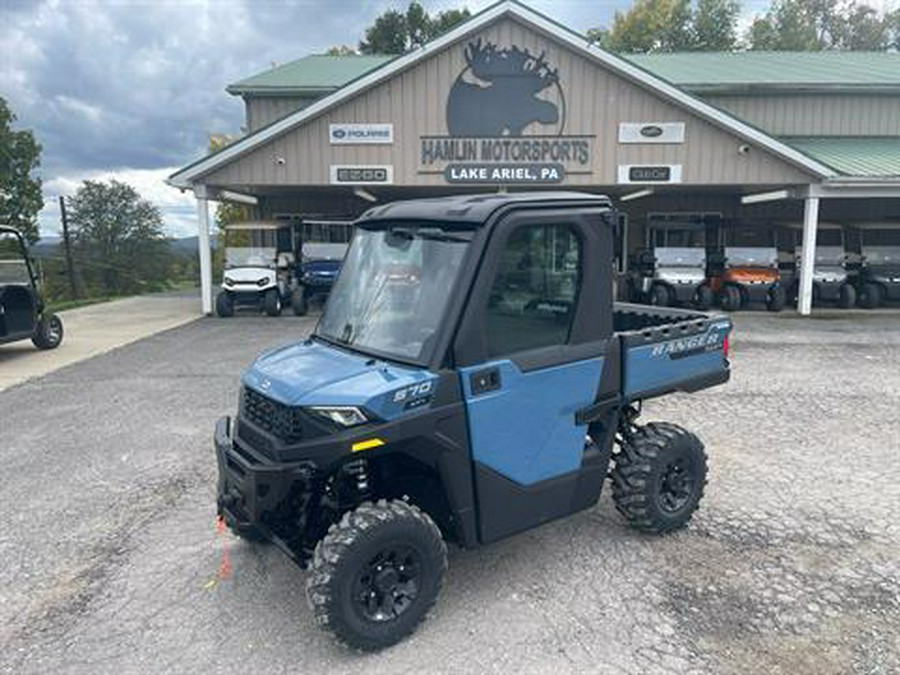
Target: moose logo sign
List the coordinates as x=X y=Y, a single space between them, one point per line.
x=505 y=115
x=501 y=92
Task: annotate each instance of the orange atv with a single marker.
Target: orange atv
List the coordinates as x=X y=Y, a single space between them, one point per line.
x=748 y=274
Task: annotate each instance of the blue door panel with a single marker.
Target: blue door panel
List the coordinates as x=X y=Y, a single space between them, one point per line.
x=526 y=430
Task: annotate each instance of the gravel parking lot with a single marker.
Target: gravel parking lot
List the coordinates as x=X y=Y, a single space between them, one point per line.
x=111 y=563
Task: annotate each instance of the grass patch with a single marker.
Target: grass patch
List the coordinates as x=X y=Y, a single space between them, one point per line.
x=62 y=305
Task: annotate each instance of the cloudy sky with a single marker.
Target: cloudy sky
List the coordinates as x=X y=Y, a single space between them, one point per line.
x=132 y=88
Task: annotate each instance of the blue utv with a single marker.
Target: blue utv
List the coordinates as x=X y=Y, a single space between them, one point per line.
x=469 y=379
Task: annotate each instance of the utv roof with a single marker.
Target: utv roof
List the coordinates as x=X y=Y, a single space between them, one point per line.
x=258 y=225
x=476 y=209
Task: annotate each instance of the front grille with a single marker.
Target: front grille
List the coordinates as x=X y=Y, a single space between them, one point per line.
x=280 y=420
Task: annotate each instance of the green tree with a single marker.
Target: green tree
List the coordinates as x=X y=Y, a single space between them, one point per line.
x=815 y=25
x=117 y=239
x=714 y=25
x=395 y=32
x=20 y=192
x=341 y=50
x=672 y=26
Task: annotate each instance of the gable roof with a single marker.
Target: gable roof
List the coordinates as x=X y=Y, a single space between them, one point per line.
x=185 y=177
x=776 y=71
x=313 y=74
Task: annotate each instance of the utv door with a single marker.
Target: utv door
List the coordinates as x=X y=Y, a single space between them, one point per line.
x=532 y=349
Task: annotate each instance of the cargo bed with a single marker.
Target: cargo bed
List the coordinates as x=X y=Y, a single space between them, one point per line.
x=666 y=350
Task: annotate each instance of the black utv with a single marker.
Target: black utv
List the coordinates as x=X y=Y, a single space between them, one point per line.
x=22 y=312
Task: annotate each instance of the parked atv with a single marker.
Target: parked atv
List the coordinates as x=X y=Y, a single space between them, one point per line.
x=470 y=378
x=22 y=311
x=879 y=273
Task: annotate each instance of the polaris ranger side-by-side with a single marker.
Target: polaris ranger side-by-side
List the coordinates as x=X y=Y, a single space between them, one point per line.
x=469 y=379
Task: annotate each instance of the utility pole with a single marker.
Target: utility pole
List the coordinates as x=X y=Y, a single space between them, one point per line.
x=70 y=267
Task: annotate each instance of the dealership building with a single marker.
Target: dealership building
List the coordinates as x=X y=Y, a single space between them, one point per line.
x=749 y=142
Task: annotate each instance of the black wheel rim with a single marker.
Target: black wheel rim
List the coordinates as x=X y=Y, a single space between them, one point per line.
x=388 y=585
x=676 y=486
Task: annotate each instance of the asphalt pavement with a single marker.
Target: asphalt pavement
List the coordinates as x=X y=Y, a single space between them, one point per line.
x=95 y=329
x=111 y=562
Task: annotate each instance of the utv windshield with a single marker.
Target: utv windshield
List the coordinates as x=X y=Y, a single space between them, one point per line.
x=393 y=290
x=13 y=268
x=249 y=247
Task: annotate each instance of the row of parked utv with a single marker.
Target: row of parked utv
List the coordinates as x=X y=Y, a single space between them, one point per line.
x=737 y=277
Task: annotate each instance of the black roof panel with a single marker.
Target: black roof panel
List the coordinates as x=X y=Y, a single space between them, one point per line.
x=476 y=209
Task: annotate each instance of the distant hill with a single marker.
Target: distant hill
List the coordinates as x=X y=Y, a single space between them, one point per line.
x=188 y=245
x=50 y=246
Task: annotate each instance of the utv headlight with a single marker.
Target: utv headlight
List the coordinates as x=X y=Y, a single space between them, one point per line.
x=262 y=282
x=345 y=416
x=229 y=281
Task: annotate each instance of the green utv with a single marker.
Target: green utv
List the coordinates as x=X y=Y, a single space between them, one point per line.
x=470 y=378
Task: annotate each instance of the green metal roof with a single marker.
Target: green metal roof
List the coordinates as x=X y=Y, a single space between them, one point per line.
x=853 y=156
x=704 y=71
x=313 y=73
x=695 y=71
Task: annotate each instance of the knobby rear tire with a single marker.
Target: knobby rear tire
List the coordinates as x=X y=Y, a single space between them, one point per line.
x=640 y=469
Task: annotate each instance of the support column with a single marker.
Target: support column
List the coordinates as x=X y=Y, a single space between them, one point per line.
x=204 y=248
x=807 y=261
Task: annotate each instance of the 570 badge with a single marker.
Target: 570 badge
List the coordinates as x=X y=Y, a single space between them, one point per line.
x=414 y=396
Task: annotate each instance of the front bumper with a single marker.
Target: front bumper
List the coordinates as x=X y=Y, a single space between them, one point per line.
x=251 y=487
x=758 y=291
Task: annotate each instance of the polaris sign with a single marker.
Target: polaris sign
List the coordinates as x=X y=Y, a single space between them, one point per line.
x=348 y=134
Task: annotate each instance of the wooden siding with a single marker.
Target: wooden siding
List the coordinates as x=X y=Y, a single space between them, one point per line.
x=816 y=114
x=597 y=101
x=263 y=110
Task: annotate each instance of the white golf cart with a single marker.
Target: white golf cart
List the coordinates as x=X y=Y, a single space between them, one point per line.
x=259 y=263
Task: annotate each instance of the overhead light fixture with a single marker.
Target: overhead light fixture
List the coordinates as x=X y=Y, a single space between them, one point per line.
x=775 y=195
x=636 y=195
x=365 y=194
